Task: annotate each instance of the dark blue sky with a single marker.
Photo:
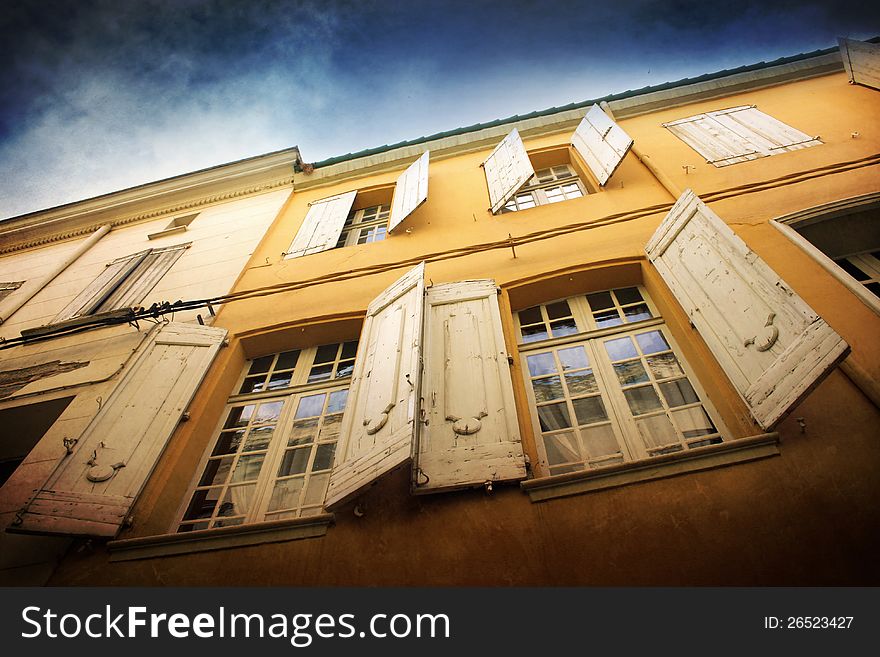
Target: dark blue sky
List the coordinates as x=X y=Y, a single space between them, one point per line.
x=98 y=95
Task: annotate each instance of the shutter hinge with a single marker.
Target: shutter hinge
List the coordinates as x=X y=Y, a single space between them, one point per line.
x=510 y=360
x=185 y=416
x=69 y=444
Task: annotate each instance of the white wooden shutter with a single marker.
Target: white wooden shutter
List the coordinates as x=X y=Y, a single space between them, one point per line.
x=410 y=191
x=471 y=435
x=381 y=414
x=507 y=169
x=108 y=280
x=137 y=285
x=125 y=439
x=770 y=343
x=601 y=142
x=738 y=134
x=322 y=226
x=862 y=61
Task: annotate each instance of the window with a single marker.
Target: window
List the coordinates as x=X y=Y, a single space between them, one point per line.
x=275 y=449
x=124 y=282
x=8 y=288
x=738 y=134
x=605 y=383
x=23 y=427
x=177 y=225
x=365 y=226
x=550 y=185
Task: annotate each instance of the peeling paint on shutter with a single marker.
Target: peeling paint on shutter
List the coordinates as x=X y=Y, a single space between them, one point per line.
x=410 y=191
x=770 y=343
x=862 y=61
x=380 y=420
x=507 y=169
x=322 y=226
x=125 y=439
x=471 y=435
x=738 y=134
x=601 y=142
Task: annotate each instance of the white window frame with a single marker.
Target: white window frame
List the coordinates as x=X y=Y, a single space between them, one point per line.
x=291 y=395
x=736 y=142
x=536 y=189
x=788 y=224
x=355 y=225
x=621 y=420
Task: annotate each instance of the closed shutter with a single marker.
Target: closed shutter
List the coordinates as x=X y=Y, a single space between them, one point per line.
x=108 y=280
x=380 y=420
x=770 y=343
x=138 y=283
x=322 y=226
x=738 y=134
x=410 y=191
x=862 y=61
x=471 y=435
x=93 y=489
x=601 y=142
x=507 y=169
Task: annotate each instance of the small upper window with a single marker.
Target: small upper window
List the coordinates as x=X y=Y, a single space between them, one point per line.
x=738 y=134
x=550 y=185
x=8 y=288
x=177 y=225
x=365 y=226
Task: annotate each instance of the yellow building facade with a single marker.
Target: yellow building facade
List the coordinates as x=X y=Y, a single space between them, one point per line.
x=654 y=364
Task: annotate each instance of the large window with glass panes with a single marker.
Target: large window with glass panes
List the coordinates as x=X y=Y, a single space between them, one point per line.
x=365 y=226
x=274 y=450
x=607 y=384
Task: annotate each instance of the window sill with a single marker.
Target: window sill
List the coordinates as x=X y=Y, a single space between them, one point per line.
x=205 y=540
x=659 y=467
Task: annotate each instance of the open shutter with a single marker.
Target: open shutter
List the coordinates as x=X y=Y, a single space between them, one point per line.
x=507 y=169
x=138 y=284
x=471 y=435
x=601 y=142
x=322 y=226
x=93 y=489
x=862 y=61
x=770 y=343
x=380 y=418
x=410 y=191
x=104 y=284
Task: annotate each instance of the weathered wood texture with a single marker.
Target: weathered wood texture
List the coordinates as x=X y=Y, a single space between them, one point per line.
x=410 y=191
x=322 y=225
x=507 y=169
x=862 y=61
x=601 y=142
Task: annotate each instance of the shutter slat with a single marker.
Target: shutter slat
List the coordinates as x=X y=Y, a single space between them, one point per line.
x=410 y=191
x=767 y=133
x=862 y=61
x=601 y=142
x=142 y=280
x=92 y=296
x=770 y=343
x=507 y=169
x=132 y=428
x=322 y=225
x=380 y=419
x=471 y=435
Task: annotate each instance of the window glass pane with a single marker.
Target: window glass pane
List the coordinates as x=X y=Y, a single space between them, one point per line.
x=600 y=300
x=337 y=401
x=237 y=501
x=248 y=467
x=259 y=438
x=678 y=393
x=642 y=400
x=279 y=380
x=630 y=372
x=563 y=327
x=295 y=461
x=652 y=342
x=286 y=494
x=320 y=373
x=553 y=416
x=239 y=417
x=581 y=383
x=287 y=360
x=852 y=270
x=547 y=388
x=600 y=440
x=531 y=315
x=534 y=333
x=637 y=313
x=656 y=431
x=664 y=366
x=349 y=350
x=228 y=442
x=326 y=353
x=558 y=309
x=216 y=472
x=562 y=448
x=607 y=318
x=253 y=384
x=573 y=358
x=202 y=504
x=268 y=412
x=330 y=427
x=317 y=490
x=303 y=432
x=627 y=295
x=260 y=365
x=541 y=364
x=324 y=457
x=311 y=405
x=589 y=410
x=693 y=422
x=620 y=348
